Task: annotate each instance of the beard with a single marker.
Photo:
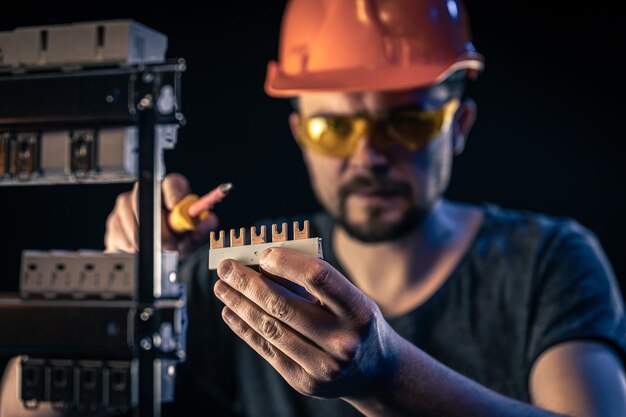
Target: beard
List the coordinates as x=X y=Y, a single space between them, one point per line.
x=375 y=229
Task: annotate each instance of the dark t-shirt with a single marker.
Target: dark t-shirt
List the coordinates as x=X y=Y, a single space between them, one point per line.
x=527 y=282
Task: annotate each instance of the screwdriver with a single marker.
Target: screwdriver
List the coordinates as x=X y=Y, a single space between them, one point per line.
x=191 y=210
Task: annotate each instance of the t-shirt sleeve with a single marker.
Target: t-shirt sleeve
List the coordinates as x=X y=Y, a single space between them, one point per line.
x=578 y=297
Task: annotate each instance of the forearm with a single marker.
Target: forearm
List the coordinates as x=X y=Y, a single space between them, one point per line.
x=419 y=385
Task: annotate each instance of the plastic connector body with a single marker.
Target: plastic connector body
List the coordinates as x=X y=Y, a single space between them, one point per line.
x=248 y=253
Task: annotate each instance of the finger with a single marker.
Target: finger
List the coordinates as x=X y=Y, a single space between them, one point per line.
x=291 y=286
x=302 y=316
x=175 y=187
x=109 y=235
x=115 y=239
x=207 y=201
x=319 y=278
x=127 y=218
x=134 y=200
x=293 y=373
x=292 y=344
x=125 y=244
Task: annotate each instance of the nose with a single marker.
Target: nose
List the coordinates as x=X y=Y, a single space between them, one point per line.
x=367 y=157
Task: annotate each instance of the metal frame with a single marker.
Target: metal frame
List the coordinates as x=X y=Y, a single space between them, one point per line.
x=149 y=265
x=145 y=114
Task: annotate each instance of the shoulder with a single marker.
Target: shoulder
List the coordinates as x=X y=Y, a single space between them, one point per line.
x=532 y=251
x=563 y=261
x=535 y=233
x=554 y=271
x=521 y=221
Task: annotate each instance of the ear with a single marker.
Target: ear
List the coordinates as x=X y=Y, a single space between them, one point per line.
x=294 y=123
x=465 y=118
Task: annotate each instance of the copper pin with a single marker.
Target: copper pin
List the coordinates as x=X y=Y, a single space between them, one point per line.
x=217 y=243
x=279 y=237
x=301 y=233
x=260 y=238
x=240 y=240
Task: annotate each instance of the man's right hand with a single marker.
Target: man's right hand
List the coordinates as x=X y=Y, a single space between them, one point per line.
x=121 y=233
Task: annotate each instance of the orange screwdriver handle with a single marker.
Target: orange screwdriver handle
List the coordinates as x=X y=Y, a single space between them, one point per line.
x=179 y=219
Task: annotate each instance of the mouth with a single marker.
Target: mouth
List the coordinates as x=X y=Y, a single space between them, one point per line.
x=376 y=196
x=376 y=192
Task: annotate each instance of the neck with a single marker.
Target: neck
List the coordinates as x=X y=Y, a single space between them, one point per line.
x=419 y=262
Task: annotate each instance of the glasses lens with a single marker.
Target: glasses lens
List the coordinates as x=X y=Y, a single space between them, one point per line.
x=332 y=136
x=415 y=128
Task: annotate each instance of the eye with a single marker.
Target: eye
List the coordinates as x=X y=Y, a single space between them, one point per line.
x=338 y=125
x=335 y=128
x=339 y=129
x=412 y=124
x=413 y=129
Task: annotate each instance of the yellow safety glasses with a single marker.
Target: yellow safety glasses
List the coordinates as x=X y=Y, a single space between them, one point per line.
x=338 y=136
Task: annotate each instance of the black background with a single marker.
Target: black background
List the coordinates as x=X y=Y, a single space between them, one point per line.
x=548 y=136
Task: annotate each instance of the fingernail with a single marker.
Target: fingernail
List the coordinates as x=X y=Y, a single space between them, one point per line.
x=228 y=315
x=264 y=255
x=220 y=288
x=224 y=270
x=225 y=188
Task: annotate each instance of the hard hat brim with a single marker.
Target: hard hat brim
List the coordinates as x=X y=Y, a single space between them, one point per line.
x=279 y=84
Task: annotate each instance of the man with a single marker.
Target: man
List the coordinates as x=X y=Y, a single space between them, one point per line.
x=426 y=307
x=423 y=306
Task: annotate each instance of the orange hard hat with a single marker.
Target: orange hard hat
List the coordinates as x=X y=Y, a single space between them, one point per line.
x=370 y=45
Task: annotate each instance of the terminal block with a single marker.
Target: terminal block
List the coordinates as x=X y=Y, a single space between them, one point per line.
x=90 y=275
x=107 y=42
x=88 y=385
x=76 y=156
x=247 y=251
x=24 y=162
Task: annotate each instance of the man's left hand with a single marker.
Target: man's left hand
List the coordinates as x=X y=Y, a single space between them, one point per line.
x=336 y=346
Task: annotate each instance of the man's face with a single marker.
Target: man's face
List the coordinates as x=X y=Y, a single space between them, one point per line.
x=382 y=194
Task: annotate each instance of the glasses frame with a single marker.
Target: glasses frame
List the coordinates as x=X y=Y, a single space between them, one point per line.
x=378 y=128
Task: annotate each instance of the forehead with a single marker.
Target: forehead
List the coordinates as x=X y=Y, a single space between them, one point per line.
x=371 y=102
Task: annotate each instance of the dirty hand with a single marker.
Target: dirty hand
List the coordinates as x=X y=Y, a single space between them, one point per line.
x=337 y=346
x=121 y=233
